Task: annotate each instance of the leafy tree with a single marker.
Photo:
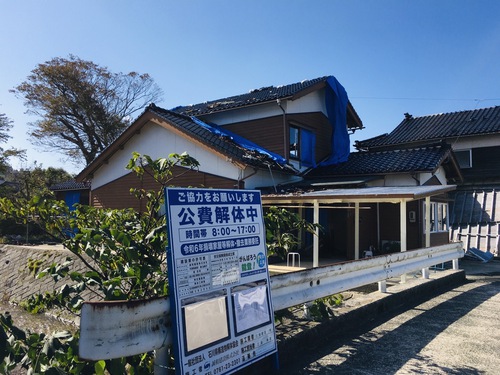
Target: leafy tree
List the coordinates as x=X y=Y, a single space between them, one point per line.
x=124 y=256
x=37 y=180
x=23 y=185
x=5 y=126
x=82 y=106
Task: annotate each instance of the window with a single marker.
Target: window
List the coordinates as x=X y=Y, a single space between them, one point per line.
x=464 y=158
x=439 y=217
x=302 y=145
x=294 y=142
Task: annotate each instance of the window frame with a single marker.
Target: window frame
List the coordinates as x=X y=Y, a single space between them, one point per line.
x=294 y=153
x=439 y=217
x=459 y=159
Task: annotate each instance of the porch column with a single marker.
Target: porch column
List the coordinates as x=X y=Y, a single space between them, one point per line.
x=427 y=221
x=403 y=234
x=356 y=230
x=402 y=219
x=425 y=271
x=316 y=236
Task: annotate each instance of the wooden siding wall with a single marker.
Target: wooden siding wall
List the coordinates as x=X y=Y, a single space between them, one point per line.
x=389 y=223
x=268 y=132
x=485 y=166
x=367 y=227
x=439 y=238
x=337 y=238
x=390 y=226
x=116 y=194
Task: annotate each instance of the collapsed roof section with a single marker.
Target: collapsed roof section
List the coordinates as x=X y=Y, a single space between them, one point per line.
x=224 y=141
x=268 y=94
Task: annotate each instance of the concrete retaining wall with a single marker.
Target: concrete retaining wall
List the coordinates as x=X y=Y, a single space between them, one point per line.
x=19 y=266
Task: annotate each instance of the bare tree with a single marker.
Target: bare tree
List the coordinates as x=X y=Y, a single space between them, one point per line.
x=82 y=106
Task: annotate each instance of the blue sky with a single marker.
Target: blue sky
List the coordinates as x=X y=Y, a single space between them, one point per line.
x=392 y=56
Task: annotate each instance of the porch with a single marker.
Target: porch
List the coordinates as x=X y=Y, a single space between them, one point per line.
x=357 y=200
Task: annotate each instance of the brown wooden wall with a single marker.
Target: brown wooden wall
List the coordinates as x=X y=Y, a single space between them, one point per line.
x=390 y=226
x=116 y=194
x=485 y=166
x=268 y=132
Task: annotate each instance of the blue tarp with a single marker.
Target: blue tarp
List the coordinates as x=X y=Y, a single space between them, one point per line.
x=71 y=198
x=336 y=107
x=307 y=147
x=243 y=142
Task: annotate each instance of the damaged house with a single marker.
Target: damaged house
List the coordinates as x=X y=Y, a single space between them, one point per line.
x=292 y=142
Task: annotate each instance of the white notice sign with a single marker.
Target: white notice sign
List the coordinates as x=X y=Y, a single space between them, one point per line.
x=219 y=280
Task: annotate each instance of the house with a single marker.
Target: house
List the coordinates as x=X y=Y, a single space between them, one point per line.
x=72 y=192
x=379 y=200
x=278 y=139
x=474 y=136
x=261 y=138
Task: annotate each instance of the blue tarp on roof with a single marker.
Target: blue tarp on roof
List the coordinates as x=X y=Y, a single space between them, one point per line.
x=336 y=107
x=243 y=142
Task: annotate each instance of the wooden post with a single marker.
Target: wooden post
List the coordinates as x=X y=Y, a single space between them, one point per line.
x=316 y=236
x=356 y=230
x=403 y=234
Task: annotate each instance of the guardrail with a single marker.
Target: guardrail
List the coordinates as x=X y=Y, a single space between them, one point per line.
x=299 y=287
x=116 y=329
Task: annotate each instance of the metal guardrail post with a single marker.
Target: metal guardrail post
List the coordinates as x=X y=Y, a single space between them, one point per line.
x=382 y=286
x=425 y=272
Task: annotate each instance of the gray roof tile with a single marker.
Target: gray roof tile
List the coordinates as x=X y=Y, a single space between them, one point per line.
x=70 y=185
x=426 y=159
x=438 y=127
x=264 y=94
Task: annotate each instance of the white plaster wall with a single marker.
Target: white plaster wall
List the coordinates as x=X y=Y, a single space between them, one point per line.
x=157 y=142
x=376 y=183
x=313 y=102
x=399 y=180
x=407 y=180
x=440 y=174
x=475 y=142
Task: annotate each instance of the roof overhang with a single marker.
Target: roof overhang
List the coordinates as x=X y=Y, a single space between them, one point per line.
x=389 y=194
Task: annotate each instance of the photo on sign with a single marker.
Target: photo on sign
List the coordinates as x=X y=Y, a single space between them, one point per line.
x=205 y=321
x=251 y=306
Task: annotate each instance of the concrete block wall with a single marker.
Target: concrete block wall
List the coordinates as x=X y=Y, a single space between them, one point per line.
x=20 y=264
